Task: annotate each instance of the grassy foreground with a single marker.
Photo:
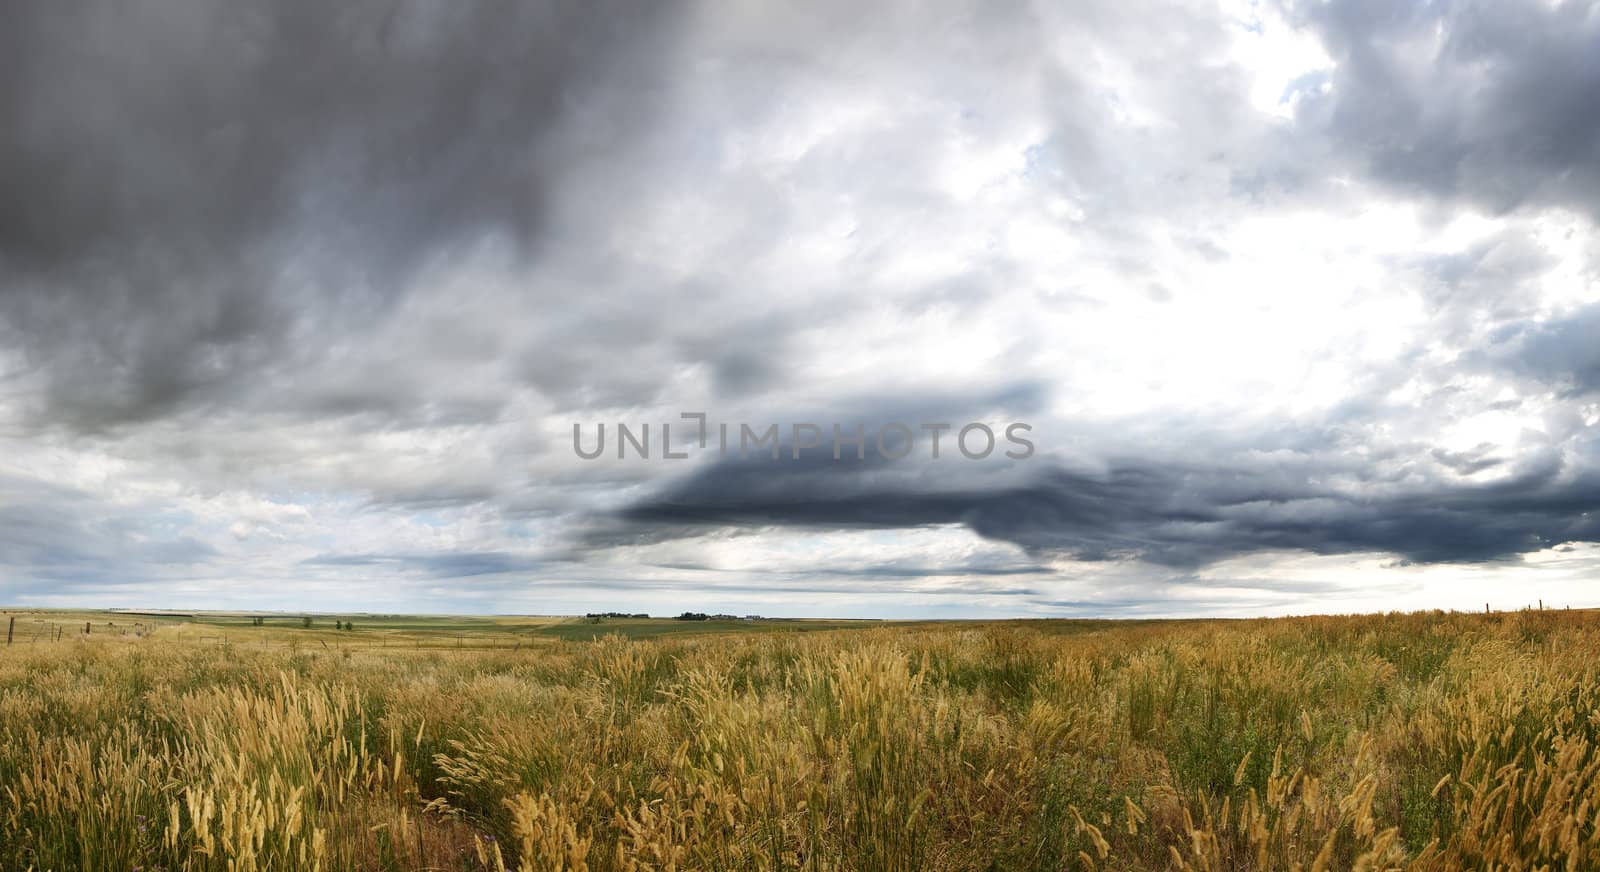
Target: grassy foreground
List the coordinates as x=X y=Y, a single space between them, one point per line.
x=1427 y=741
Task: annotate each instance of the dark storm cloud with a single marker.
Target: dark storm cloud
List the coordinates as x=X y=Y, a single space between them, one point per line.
x=1163 y=512
x=1495 y=104
x=701 y=590
x=893 y=570
x=194 y=190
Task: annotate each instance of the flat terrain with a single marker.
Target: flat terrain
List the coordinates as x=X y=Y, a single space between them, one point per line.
x=377 y=631
x=211 y=741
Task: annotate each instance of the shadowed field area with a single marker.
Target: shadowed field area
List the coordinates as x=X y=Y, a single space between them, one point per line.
x=211 y=741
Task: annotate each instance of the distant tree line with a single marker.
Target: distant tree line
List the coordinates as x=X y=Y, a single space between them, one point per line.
x=259 y=621
x=615 y=615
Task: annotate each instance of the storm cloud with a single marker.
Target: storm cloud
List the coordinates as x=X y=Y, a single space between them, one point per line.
x=300 y=303
x=199 y=193
x=1496 y=104
x=1138 y=509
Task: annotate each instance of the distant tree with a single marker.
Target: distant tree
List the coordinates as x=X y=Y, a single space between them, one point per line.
x=306 y=622
x=349 y=625
x=694 y=616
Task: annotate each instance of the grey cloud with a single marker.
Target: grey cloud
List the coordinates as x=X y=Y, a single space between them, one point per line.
x=53 y=534
x=1124 y=606
x=229 y=208
x=1494 y=104
x=442 y=565
x=1492 y=281
x=197 y=189
x=1563 y=353
x=702 y=590
x=894 y=570
x=1172 y=513
x=1468 y=462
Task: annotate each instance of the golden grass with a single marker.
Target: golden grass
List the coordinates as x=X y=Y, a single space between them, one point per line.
x=1426 y=741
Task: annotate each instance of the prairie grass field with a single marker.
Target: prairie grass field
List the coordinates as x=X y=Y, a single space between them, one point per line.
x=208 y=742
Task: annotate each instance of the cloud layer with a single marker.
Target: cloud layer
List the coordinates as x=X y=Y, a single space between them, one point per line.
x=299 y=305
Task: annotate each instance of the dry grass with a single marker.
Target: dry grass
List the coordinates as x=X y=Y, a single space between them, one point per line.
x=1425 y=741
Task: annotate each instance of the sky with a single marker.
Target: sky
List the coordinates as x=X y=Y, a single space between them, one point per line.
x=1297 y=305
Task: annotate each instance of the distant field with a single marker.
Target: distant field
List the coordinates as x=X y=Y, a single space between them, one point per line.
x=207 y=742
x=382 y=630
